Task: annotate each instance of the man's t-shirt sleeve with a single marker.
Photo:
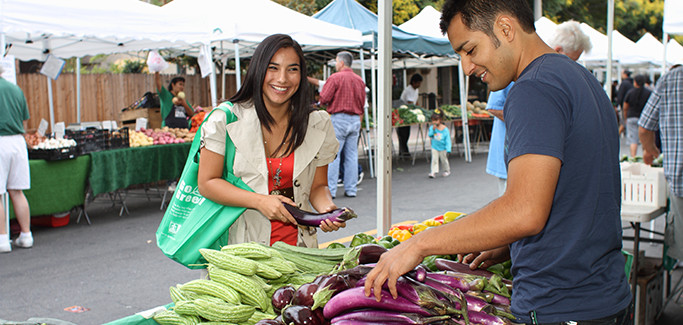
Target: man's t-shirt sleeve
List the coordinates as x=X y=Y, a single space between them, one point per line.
x=537 y=120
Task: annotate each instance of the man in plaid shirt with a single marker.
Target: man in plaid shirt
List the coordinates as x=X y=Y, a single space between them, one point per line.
x=664 y=110
x=344 y=94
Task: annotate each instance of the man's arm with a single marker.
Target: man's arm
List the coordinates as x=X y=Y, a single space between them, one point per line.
x=521 y=212
x=497 y=113
x=647 y=138
x=157 y=81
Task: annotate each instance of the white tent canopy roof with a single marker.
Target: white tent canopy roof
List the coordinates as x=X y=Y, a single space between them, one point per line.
x=75 y=28
x=673 y=20
x=249 y=22
x=425 y=23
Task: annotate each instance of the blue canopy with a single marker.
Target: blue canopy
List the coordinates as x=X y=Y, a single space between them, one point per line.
x=351 y=14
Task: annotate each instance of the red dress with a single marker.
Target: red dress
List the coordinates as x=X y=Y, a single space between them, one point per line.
x=280 y=231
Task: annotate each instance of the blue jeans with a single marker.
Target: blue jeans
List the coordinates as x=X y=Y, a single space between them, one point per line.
x=347 y=130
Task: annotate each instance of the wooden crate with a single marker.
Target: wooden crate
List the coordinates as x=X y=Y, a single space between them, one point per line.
x=153 y=116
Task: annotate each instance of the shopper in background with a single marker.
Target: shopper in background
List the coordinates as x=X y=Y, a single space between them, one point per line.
x=441 y=145
x=568 y=40
x=409 y=96
x=664 y=112
x=14 y=168
x=558 y=219
x=344 y=94
x=634 y=101
x=175 y=109
x=624 y=87
x=283 y=147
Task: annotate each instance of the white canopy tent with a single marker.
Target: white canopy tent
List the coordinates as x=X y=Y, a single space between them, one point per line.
x=424 y=23
x=237 y=27
x=34 y=29
x=673 y=24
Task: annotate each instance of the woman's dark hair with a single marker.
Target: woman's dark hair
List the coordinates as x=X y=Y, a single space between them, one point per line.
x=252 y=90
x=415 y=78
x=174 y=81
x=479 y=15
x=437 y=116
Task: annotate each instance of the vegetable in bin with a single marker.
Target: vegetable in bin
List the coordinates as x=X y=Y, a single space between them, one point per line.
x=306 y=218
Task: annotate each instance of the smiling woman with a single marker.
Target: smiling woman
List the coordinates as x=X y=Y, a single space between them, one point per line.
x=282 y=148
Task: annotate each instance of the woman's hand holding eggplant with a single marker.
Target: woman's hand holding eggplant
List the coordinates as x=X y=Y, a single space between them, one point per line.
x=327 y=225
x=271 y=207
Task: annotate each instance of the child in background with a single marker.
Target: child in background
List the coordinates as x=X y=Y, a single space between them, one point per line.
x=441 y=144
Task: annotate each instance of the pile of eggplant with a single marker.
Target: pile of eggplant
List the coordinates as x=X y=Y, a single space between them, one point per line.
x=454 y=295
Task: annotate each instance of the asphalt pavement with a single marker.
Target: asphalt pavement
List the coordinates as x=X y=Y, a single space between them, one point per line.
x=98 y=273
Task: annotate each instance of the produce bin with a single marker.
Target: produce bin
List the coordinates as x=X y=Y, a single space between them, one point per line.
x=141 y=318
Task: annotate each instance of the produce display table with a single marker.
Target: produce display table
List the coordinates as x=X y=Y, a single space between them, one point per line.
x=637 y=215
x=57 y=186
x=115 y=169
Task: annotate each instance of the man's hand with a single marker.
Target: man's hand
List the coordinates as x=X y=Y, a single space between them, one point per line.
x=392 y=264
x=485 y=259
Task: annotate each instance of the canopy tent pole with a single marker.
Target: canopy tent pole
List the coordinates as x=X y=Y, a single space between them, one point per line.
x=463 y=111
x=224 y=63
x=373 y=79
x=78 y=90
x=238 y=70
x=367 y=118
x=665 y=41
x=52 y=108
x=610 y=27
x=212 y=76
x=384 y=10
x=405 y=76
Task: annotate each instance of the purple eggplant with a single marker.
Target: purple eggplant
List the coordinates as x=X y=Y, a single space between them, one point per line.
x=486 y=296
x=482 y=318
x=299 y=315
x=311 y=219
x=327 y=288
x=282 y=297
x=498 y=299
x=451 y=281
x=304 y=295
x=419 y=273
x=269 y=322
x=360 y=322
x=384 y=316
x=362 y=254
x=475 y=303
x=447 y=265
x=355 y=298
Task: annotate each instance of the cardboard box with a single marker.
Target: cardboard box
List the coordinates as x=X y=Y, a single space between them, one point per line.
x=153 y=116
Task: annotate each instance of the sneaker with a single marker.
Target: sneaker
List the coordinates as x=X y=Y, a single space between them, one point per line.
x=347 y=194
x=431 y=175
x=360 y=177
x=5 y=247
x=24 y=242
x=445 y=174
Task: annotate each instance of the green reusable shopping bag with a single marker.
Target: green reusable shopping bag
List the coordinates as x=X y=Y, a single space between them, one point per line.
x=192 y=221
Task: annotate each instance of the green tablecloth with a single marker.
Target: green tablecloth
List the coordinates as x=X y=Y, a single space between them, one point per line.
x=57 y=186
x=111 y=170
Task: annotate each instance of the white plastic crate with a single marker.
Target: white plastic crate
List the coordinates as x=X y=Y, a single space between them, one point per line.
x=642 y=185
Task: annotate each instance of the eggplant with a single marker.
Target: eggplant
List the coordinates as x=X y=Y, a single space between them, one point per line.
x=311 y=219
x=329 y=287
x=269 y=322
x=419 y=273
x=282 y=297
x=362 y=254
x=355 y=298
x=475 y=303
x=304 y=295
x=360 y=322
x=356 y=273
x=498 y=299
x=385 y=316
x=451 y=281
x=447 y=265
x=299 y=315
x=482 y=318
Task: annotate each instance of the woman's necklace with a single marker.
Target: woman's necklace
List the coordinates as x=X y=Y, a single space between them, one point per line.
x=276 y=176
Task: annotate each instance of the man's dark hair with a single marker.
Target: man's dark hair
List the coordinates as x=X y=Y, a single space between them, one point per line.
x=415 y=78
x=252 y=90
x=479 y=15
x=174 y=81
x=641 y=80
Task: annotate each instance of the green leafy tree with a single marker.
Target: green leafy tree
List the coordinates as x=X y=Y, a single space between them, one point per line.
x=306 y=7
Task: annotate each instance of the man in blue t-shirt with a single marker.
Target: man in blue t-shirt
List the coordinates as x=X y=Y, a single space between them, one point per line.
x=559 y=218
